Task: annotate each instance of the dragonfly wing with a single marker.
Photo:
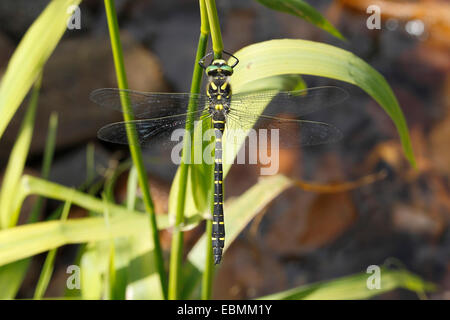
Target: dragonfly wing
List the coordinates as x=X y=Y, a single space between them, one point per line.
x=279 y=132
x=293 y=132
x=162 y=132
x=147 y=104
x=292 y=103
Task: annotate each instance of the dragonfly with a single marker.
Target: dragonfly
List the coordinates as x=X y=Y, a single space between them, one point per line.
x=157 y=115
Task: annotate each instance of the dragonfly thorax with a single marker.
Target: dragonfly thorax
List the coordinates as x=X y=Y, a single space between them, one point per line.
x=218 y=91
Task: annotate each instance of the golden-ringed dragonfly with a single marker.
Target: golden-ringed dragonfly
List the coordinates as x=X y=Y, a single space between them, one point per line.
x=158 y=115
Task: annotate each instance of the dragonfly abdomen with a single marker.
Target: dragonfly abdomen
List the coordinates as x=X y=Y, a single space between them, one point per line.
x=218 y=228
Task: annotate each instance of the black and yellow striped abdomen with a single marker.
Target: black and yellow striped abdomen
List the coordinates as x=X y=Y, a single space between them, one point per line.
x=219 y=92
x=218 y=228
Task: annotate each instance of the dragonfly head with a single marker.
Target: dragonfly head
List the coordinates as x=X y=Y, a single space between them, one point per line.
x=219 y=67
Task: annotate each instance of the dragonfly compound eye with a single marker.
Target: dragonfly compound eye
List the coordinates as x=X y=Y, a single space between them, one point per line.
x=227 y=70
x=212 y=70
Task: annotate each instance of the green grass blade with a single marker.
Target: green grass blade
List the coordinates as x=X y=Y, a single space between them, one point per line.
x=112 y=175
x=208 y=270
x=116 y=279
x=142 y=280
x=110 y=271
x=132 y=185
x=90 y=164
x=11 y=277
x=30 y=56
x=74 y=292
x=185 y=169
x=47 y=269
x=50 y=143
x=354 y=287
x=214 y=26
x=27 y=240
x=49 y=151
x=124 y=226
x=15 y=272
x=278 y=57
x=135 y=150
x=176 y=253
x=46 y=274
x=91 y=276
x=110 y=279
x=303 y=10
x=16 y=163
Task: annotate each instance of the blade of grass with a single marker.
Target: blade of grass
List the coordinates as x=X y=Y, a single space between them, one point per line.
x=303 y=10
x=91 y=277
x=111 y=277
x=132 y=188
x=90 y=177
x=208 y=272
x=50 y=143
x=75 y=293
x=32 y=185
x=27 y=240
x=216 y=36
x=288 y=56
x=112 y=175
x=19 y=268
x=116 y=278
x=354 y=287
x=135 y=150
x=47 y=269
x=16 y=162
x=49 y=151
x=176 y=253
x=12 y=275
x=30 y=56
x=214 y=25
x=90 y=164
x=11 y=278
x=141 y=280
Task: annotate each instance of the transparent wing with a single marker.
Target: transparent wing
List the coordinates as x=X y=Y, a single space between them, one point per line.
x=162 y=132
x=279 y=132
x=290 y=103
x=147 y=104
x=275 y=114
